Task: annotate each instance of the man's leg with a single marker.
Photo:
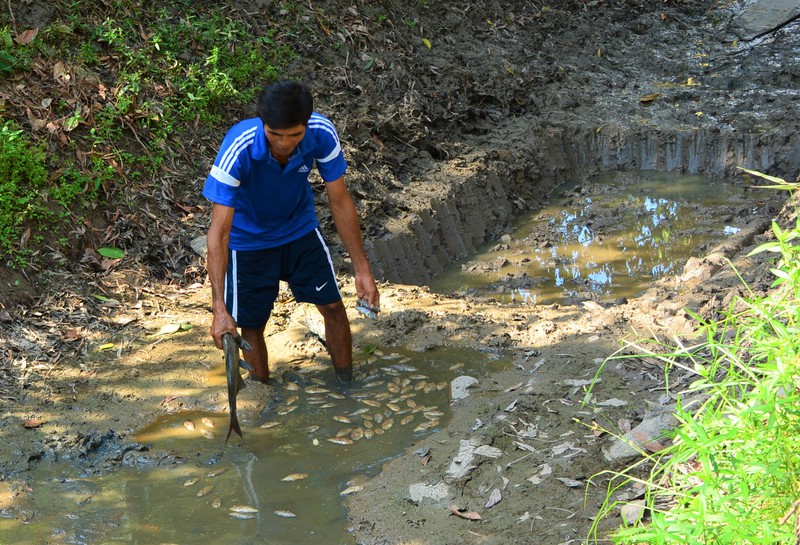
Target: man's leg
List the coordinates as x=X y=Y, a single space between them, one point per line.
x=338 y=339
x=257 y=357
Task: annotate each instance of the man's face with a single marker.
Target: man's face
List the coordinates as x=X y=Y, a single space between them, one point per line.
x=283 y=141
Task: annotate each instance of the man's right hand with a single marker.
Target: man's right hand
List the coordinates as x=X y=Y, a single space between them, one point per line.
x=221 y=324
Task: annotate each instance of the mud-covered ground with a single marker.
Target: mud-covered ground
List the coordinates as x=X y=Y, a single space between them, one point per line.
x=81 y=373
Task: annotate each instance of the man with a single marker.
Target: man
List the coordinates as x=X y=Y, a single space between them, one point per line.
x=264 y=227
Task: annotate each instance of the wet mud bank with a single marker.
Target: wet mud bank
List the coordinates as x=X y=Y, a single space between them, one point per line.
x=487 y=191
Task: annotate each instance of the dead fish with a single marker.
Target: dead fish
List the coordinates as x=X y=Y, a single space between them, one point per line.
x=243 y=509
x=427 y=425
x=344 y=431
x=335 y=395
x=378 y=418
x=243 y=516
x=285 y=514
x=370 y=402
x=189 y=425
x=379 y=431
x=230 y=347
x=286 y=410
x=382 y=396
x=388 y=423
x=291 y=386
x=340 y=440
x=393 y=388
x=441 y=386
x=295 y=477
x=394 y=407
x=217 y=503
x=407 y=420
x=351 y=490
x=292 y=400
x=342 y=419
x=369 y=433
x=312 y=429
x=418 y=377
x=216 y=472
x=357 y=434
x=268 y=425
x=190 y=482
x=316 y=390
x=359 y=412
x=432 y=415
x=368 y=424
x=208 y=434
x=205 y=491
x=208 y=422
x=327 y=406
x=420 y=385
x=456 y=366
x=411 y=403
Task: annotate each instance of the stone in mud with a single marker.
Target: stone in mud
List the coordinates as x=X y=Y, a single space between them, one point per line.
x=426 y=494
x=460 y=385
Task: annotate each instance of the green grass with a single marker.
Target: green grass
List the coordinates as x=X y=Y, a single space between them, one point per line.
x=732 y=472
x=140 y=80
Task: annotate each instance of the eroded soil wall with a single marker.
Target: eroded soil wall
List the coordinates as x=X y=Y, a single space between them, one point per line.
x=484 y=200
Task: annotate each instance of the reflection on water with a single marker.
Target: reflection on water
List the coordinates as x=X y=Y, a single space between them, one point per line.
x=284 y=479
x=607 y=238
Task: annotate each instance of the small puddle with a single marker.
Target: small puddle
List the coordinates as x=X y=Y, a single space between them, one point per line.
x=606 y=238
x=286 y=476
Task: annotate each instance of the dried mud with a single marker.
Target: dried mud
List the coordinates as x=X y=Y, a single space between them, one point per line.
x=446 y=145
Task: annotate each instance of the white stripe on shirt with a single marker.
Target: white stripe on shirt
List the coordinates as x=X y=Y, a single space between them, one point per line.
x=224 y=177
x=236 y=147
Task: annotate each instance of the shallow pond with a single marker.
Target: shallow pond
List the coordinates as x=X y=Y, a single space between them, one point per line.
x=607 y=238
x=283 y=483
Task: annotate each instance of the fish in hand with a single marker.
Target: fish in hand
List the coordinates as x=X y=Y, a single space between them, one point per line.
x=230 y=346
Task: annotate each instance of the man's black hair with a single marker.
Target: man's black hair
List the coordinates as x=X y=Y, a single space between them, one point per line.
x=285 y=104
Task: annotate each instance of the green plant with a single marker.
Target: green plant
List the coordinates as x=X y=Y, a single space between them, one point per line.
x=732 y=473
x=13 y=56
x=22 y=176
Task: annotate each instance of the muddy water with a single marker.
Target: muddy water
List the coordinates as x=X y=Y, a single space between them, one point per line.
x=285 y=480
x=606 y=238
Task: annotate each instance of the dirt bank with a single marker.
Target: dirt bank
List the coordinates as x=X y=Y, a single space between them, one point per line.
x=455 y=118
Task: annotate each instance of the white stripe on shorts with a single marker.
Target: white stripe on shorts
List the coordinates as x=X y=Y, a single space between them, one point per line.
x=235 y=294
x=330 y=261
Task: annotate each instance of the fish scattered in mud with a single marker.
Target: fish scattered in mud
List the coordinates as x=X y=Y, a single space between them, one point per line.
x=217 y=503
x=243 y=509
x=285 y=514
x=216 y=472
x=208 y=434
x=205 y=491
x=295 y=477
x=351 y=490
x=316 y=390
x=268 y=425
x=243 y=516
x=286 y=410
x=230 y=347
x=340 y=440
x=190 y=482
x=342 y=419
x=189 y=425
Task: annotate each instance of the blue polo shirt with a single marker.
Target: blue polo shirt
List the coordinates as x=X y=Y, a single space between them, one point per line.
x=273 y=204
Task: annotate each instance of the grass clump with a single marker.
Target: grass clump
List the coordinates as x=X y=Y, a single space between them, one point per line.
x=732 y=472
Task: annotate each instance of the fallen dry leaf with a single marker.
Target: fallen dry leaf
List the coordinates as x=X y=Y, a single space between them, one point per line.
x=469 y=515
x=26 y=36
x=650 y=444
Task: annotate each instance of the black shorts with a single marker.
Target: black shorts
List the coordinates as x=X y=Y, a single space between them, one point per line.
x=253 y=278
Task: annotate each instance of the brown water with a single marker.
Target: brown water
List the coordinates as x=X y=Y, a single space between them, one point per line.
x=607 y=238
x=191 y=503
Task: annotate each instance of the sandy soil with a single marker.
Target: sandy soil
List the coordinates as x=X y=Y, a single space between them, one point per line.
x=81 y=373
